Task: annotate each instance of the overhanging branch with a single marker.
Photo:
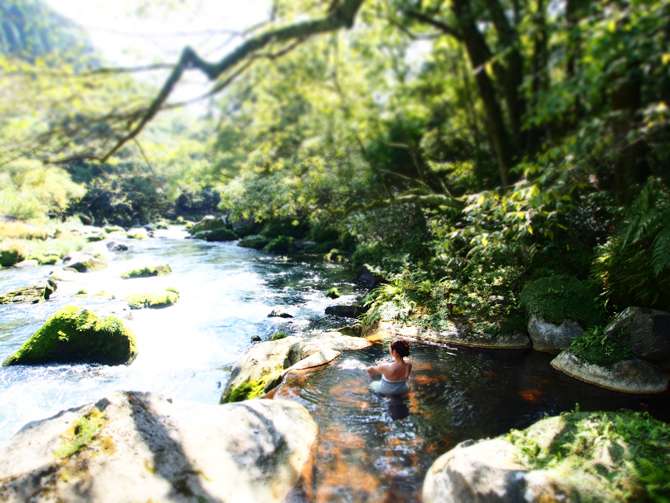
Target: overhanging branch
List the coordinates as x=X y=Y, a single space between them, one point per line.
x=342 y=16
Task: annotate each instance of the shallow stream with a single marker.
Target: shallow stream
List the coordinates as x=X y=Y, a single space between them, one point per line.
x=369 y=448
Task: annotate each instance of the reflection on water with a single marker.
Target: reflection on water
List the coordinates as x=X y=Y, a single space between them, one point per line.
x=185 y=351
x=371 y=448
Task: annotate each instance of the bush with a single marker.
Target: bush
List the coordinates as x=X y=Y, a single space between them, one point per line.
x=282 y=244
x=597 y=349
x=558 y=298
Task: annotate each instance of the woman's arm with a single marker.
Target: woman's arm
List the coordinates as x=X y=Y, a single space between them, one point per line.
x=376 y=370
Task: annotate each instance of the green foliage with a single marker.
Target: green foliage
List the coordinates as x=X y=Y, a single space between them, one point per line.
x=558 y=298
x=282 y=244
x=221 y=234
x=634 y=265
x=147 y=271
x=597 y=349
x=637 y=449
x=278 y=335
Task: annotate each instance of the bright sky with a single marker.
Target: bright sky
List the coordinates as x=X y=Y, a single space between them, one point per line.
x=127 y=37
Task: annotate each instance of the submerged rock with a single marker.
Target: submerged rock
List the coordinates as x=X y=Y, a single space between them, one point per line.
x=137 y=233
x=279 y=314
x=77 y=335
x=646 y=332
x=147 y=271
x=580 y=456
x=133 y=446
x=220 y=234
x=115 y=246
x=153 y=300
x=627 y=376
x=261 y=368
x=32 y=294
x=550 y=337
x=84 y=262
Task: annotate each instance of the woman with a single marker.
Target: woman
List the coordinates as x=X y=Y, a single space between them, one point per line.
x=394 y=375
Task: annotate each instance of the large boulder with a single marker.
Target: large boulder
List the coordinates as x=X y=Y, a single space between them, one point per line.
x=550 y=337
x=32 y=294
x=457 y=334
x=263 y=366
x=646 y=332
x=84 y=262
x=256 y=242
x=626 y=376
x=77 y=335
x=208 y=223
x=580 y=456
x=220 y=234
x=116 y=246
x=346 y=311
x=133 y=446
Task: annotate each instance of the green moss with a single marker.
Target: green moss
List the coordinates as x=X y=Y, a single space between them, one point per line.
x=278 y=335
x=81 y=293
x=595 y=348
x=333 y=293
x=245 y=391
x=326 y=247
x=162 y=225
x=12 y=253
x=256 y=242
x=147 y=271
x=77 y=335
x=171 y=289
x=82 y=434
x=220 y=234
x=207 y=225
x=602 y=456
x=50 y=260
x=113 y=228
x=558 y=298
x=325 y=235
x=282 y=244
x=136 y=234
x=92 y=238
x=104 y=294
x=335 y=255
x=153 y=300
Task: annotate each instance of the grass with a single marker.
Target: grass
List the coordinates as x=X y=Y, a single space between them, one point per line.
x=597 y=349
x=147 y=271
x=603 y=456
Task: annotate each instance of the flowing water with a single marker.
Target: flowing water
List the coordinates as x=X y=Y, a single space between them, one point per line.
x=369 y=448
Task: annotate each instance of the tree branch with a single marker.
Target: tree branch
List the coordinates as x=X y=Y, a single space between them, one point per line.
x=444 y=28
x=342 y=16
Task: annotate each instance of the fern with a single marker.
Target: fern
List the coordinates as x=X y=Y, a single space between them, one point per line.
x=661 y=250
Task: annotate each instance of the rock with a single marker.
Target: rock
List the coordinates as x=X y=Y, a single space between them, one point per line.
x=137 y=233
x=346 y=311
x=133 y=446
x=11 y=254
x=552 y=338
x=266 y=362
x=149 y=227
x=367 y=276
x=28 y=263
x=256 y=338
x=84 y=219
x=333 y=293
x=84 y=262
x=579 y=456
x=457 y=334
x=279 y=314
x=153 y=300
x=221 y=234
x=77 y=335
x=627 y=376
x=255 y=242
x=208 y=223
x=646 y=332
x=147 y=271
x=92 y=238
x=282 y=244
x=32 y=294
x=115 y=246
x=113 y=228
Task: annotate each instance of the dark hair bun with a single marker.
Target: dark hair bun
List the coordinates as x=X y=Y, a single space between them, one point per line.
x=400 y=346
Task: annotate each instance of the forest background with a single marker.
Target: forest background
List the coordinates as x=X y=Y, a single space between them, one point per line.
x=459 y=149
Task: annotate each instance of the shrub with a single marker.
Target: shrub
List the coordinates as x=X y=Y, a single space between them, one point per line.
x=597 y=349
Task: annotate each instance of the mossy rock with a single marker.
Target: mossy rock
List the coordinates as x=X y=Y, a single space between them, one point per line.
x=251 y=229
x=33 y=294
x=153 y=300
x=333 y=293
x=77 y=335
x=137 y=234
x=50 y=260
x=92 y=238
x=335 y=255
x=162 y=225
x=11 y=254
x=595 y=348
x=113 y=228
x=245 y=391
x=325 y=247
x=559 y=298
x=209 y=223
x=256 y=242
x=282 y=244
x=278 y=335
x=82 y=262
x=290 y=228
x=220 y=234
x=147 y=271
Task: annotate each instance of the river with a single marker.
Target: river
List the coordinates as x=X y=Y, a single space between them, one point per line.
x=369 y=448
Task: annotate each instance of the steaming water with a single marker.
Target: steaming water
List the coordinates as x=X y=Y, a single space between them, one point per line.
x=369 y=448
